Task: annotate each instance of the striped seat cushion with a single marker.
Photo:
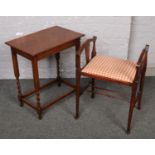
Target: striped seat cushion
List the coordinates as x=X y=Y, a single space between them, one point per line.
x=107 y=67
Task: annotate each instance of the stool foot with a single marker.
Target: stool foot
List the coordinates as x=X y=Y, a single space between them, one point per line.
x=76 y=116
x=128 y=131
x=138 y=107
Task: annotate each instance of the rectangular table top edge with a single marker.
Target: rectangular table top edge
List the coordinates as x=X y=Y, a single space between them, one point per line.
x=34 y=55
x=8 y=42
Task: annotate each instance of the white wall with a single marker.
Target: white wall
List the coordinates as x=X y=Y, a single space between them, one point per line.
x=123 y=37
x=142 y=32
x=113 y=36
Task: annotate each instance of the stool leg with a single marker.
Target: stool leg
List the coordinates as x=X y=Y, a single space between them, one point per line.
x=37 y=86
x=16 y=73
x=141 y=91
x=132 y=105
x=93 y=88
x=77 y=94
x=78 y=75
x=57 y=56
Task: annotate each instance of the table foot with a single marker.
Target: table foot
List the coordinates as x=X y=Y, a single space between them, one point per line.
x=39 y=115
x=20 y=101
x=59 y=82
x=22 y=104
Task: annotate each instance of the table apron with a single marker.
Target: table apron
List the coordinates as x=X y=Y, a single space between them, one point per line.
x=55 y=50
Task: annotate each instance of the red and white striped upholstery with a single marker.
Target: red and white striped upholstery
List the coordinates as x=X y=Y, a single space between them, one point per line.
x=110 y=68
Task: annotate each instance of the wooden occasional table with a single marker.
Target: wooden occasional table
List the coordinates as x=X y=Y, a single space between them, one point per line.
x=37 y=46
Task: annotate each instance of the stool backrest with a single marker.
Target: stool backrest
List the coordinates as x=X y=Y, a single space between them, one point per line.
x=86 y=46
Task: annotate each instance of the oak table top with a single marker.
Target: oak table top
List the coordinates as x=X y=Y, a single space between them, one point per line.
x=40 y=42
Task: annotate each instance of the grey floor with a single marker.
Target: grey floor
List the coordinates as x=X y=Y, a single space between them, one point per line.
x=101 y=117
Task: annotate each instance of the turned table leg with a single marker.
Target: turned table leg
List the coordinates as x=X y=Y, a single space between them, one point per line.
x=57 y=56
x=37 y=86
x=16 y=73
x=77 y=80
